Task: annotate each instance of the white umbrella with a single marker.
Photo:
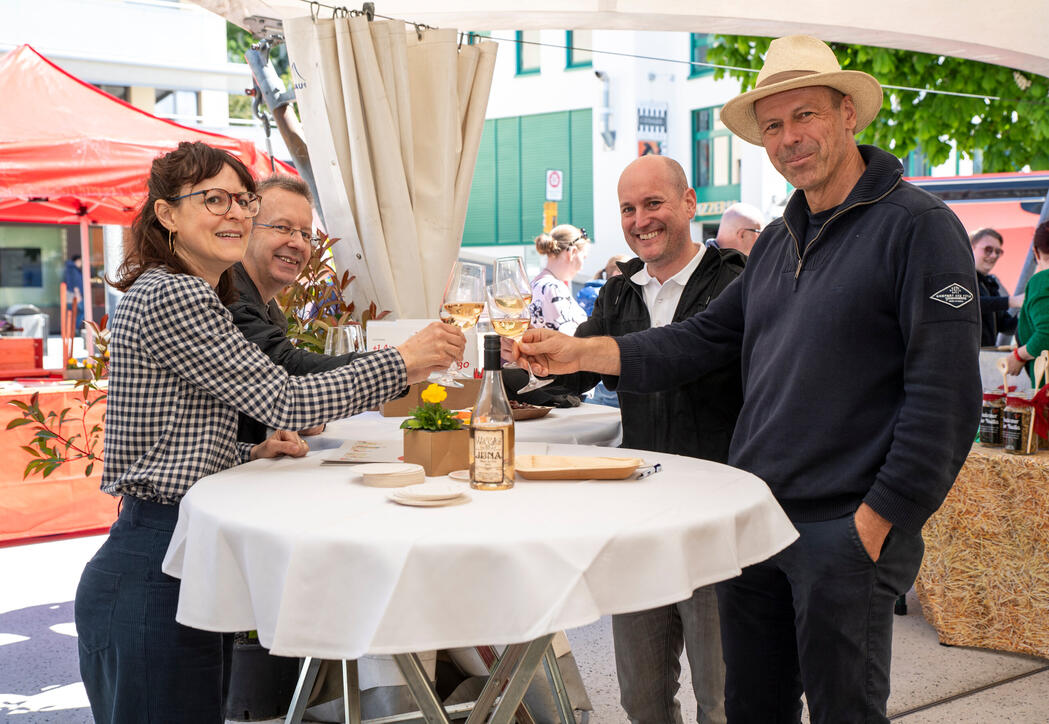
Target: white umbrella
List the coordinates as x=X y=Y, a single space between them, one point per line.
x=392 y=118
x=1008 y=33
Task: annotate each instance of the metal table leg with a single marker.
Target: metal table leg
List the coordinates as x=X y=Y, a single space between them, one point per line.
x=421 y=689
x=557 y=686
x=307 y=678
x=351 y=693
x=515 y=690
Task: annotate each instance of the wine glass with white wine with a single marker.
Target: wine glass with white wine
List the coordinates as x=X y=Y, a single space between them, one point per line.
x=509 y=314
x=461 y=306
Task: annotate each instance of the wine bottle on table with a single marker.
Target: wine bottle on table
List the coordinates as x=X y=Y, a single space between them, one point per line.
x=492 y=426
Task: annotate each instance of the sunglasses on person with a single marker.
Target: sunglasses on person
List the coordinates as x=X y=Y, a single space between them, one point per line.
x=993 y=251
x=220 y=201
x=281 y=229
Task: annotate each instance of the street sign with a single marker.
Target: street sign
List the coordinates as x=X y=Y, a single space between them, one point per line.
x=549 y=216
x=555 y=185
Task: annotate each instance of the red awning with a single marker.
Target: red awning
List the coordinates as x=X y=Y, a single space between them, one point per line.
x=68 y=149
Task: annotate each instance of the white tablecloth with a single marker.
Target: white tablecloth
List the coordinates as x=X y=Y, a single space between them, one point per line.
x=322 y=565
x=583 y=425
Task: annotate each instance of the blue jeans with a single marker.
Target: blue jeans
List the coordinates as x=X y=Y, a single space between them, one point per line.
x=815 y=617
x=648 y=660
x=138 y=664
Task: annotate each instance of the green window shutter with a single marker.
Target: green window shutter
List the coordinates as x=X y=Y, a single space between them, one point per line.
x=581 y=177
x=508 y=180
x=481 y=215
x=509 y=188
x=545 y=145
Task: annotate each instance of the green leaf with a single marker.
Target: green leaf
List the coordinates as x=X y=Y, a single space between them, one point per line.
x=88 y=469
x=18 y=422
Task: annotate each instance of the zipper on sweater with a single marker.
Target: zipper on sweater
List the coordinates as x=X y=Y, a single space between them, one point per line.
x=797 y=245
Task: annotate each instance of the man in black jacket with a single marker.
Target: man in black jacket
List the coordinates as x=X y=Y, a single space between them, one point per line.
x=277 y=252
x=857 y=327
x=669 y=280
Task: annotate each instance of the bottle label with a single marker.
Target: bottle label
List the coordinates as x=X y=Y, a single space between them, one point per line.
x=488 y=456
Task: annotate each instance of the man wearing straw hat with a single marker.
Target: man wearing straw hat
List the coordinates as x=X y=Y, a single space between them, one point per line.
x=857 y=328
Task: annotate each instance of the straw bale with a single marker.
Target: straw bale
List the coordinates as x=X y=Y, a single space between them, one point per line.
x=984 y=580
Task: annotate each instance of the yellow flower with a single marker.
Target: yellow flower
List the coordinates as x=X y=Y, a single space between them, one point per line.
x=434 y=393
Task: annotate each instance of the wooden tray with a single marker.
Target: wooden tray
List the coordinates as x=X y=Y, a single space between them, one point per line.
x=530 y=413
x=563 y=467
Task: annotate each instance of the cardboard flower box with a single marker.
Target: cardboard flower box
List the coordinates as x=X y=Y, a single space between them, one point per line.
x=438 y=452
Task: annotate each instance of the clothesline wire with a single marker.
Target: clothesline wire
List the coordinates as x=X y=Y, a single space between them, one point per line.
x=691 y=63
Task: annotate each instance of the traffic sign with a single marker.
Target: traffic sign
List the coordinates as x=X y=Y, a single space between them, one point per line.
x=555 y=186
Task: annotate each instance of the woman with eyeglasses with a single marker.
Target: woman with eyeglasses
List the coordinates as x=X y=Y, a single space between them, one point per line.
x=1032 y=327
x=179 y=373
x=553 y=305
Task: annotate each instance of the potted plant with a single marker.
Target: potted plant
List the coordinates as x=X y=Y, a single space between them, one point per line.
x=434 y=437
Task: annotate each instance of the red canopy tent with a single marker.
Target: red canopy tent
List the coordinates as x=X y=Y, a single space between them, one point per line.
x=72 y=154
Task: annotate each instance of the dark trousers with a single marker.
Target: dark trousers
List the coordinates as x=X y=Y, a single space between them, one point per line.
x=815 y=617
x=138 y=665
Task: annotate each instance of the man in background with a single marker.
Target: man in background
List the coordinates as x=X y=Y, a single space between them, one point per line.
x=669 y=280
x=739 y=228
x=73 y=278
x=995 y=302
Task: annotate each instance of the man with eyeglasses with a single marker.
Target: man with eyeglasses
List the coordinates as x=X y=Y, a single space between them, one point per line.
x=995 y=302
x=279 y=247
x=739 y=228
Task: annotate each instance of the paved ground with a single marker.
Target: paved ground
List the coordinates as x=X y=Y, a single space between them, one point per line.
x=40 y=681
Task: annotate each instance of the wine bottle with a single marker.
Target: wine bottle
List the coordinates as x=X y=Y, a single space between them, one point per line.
x=492 y=426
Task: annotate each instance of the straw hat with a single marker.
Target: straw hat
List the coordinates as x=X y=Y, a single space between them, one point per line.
x=800 y=61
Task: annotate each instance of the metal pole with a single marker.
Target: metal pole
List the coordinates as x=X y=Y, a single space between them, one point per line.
x=85 y=271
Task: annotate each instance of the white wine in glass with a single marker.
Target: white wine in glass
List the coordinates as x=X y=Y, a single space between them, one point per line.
x=511 y=324
x=463 y=302
x=462 y=314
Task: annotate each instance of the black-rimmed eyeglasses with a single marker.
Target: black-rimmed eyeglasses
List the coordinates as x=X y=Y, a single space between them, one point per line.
x=756 y=231
x=220 y=201
x=283 y=230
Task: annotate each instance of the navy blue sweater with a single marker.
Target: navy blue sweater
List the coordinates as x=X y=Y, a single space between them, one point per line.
x=859 y=356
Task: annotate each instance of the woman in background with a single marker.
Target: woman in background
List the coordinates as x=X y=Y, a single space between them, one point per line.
x=1032 y=328
x=553 y=305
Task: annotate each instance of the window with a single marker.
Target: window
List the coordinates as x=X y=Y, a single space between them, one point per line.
x=177 y=104
x=474 y=37
x=527 y=52
x=699 y=43
x=715 y=163
x=578 y=44
x=119 y=91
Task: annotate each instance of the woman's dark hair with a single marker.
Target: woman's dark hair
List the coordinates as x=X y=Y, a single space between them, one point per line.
x=1041 y=238
x=147 y=248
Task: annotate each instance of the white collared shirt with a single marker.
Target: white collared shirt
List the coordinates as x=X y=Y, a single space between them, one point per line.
x=662 y=299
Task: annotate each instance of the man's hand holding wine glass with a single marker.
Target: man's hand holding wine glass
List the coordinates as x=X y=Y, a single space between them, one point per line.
x=432 y=349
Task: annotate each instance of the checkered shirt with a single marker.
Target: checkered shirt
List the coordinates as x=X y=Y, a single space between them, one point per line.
x=179 y=373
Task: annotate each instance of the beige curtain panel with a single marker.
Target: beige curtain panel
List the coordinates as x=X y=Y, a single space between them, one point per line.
x=393 y=119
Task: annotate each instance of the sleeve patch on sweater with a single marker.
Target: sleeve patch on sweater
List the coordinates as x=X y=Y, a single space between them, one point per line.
x=948 y=297
x=953 y=295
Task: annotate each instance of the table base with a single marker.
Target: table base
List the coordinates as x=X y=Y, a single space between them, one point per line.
x=505 y=688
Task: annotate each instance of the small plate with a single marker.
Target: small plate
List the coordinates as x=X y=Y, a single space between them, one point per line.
x=457 y=500
x=460 y=475
x=387 y=468
x=430 y=491
x=530 y=413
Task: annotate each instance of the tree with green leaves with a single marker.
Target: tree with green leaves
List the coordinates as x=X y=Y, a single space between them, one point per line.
x=1008 y=125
